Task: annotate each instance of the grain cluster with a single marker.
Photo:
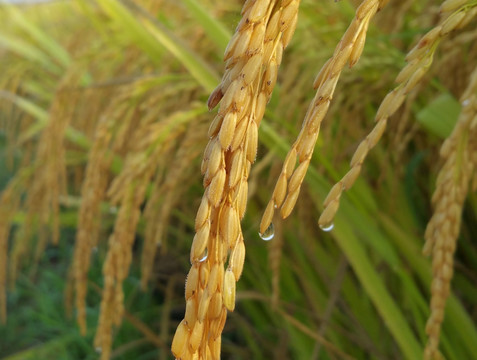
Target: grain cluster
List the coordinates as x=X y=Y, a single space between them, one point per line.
x=127 y=193
x=94 y=189
x=419 y=60
x=452 y=185
x=217 y=255
x=348 y=51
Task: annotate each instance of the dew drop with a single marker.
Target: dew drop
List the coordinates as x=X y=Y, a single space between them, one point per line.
x=327 y=227
x=99 y=349
x=204 y=257
x=465 y=102
x=268 y=234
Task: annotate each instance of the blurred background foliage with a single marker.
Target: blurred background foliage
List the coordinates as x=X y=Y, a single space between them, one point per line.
x=146 y=67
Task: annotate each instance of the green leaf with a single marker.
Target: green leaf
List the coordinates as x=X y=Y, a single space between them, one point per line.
x=440 y=116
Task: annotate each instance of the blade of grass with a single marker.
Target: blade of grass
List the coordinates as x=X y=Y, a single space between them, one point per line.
x=359 y=260
x=42 y=116
x=152 y=34
x=463 y=328
x=217 y=32
x=50 y=45
x=27 y=51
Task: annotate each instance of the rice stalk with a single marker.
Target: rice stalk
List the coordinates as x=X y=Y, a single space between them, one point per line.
x=166 y=193
x=9 y=204
x=92 y=193
x=128 y=192
x=419 y=59
x=443 y=228
x=48 y=181
x=252 y=59
x=348 y=51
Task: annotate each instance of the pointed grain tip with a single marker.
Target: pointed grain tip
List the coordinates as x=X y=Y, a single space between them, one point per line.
x=215 y=98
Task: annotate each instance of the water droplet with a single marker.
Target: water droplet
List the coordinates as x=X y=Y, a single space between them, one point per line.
x=327 y=227
x=268 y=234
x=465 y=102
x=99 y=349
x=204 y=257
x=275 y=206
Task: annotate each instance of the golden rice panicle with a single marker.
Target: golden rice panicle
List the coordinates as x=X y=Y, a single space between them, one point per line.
x=252 y=59
x=116 y=266
x=419 y=61
x=348 y=51
x=167 y=192
x=47 y=182
x=9 y=204
x=128 y=192
x=452 y=186
x=92 y=193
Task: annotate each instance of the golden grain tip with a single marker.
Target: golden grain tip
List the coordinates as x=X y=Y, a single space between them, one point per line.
x=351 y=176
x=231 y=46
x=239 y=133
x=215 y=306
x=229 y=290
x=238 y=258
x=230 y=225
x=289 y=204
x=191 y=311
x=179 y=342
x=390 y=104
x=199 y=243
x=227 y=130
x=229 y=95
x=257 y=38
x=191 y=282
x=267 y=216
x=196 y=335
x=203 y=305
x=203 y=213
x=213 y=278
x=328 y=214
x=216 y=159
x=216 y=188
x=360 y=153
x=452 y=22
x=358 y=48
x=366 y=9
x=242 y=43
x=215 y=126
x=322 y=74
x=251 y=69
x=287 y=36
x=203 y=273
x=252 y=141
x=334 y=193
x=280 y=190
x=414 y=79
x=236 y=169
x=257 y=11
x=298 y=176
x=452 y=5
x=242 y=199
